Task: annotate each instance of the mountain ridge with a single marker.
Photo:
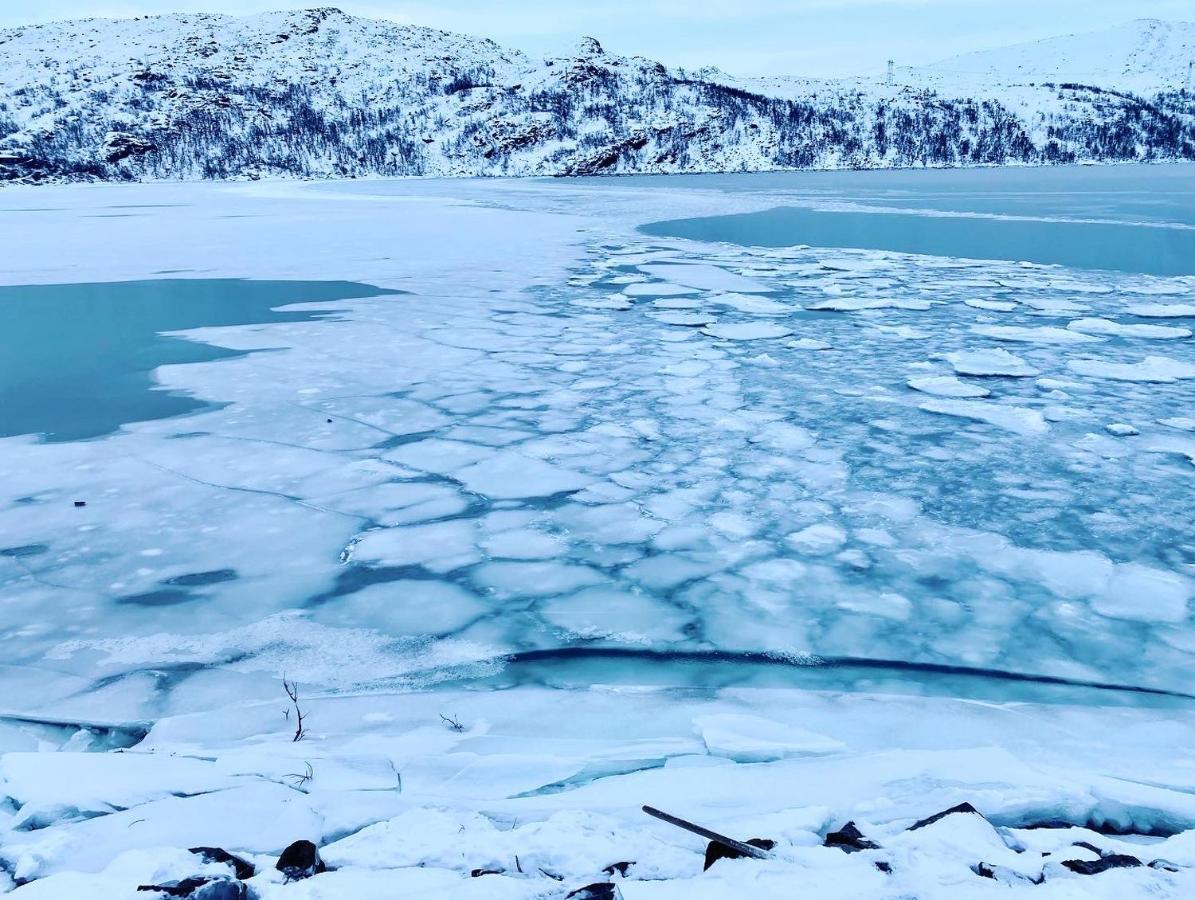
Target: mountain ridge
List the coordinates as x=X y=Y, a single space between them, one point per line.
x=320 y=93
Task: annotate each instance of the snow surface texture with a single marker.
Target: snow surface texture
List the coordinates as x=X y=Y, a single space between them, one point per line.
x=531 y=483
x=321 y=93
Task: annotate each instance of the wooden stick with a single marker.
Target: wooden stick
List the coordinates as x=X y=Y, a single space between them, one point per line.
x=745 y=849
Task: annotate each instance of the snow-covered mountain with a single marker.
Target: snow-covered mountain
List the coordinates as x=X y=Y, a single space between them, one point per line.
x=320 y=93
x=1145 y=56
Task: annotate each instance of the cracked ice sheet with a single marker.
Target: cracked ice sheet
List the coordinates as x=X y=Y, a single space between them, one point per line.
x=451 y=408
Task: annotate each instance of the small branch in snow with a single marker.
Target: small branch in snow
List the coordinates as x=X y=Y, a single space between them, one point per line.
x=302 y=780
x=292 y=691
x=452 y=722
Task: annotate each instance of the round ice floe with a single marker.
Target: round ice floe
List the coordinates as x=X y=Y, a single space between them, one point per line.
x=1163 y=310
x=756 y=306
x=440 y=547
x=607 y=612
x=690 y=319
x=510 y=476
x=886 y=604
x=1155 y=369
x=733 y=525
x=706 y=277
x=405 y=608
x=1118 y=329
x=780 y=571
x=847 y=264
x=746 y=331
x=856 y=304
x=1042 y=335
x=1144 y=594
x=947 y=386
x=1011 y=418
x=657 y=289
x=818 y=539
x=686 y=368
x=522 y=543
x=1121 y=429
x=617 y=302
x=536 y=579
x=996 y=361
x=995 y=305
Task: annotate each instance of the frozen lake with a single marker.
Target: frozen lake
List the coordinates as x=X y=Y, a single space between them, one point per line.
x=549 y=516
x=617 y=454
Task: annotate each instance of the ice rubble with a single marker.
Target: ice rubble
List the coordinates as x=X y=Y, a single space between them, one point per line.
x=513 y=484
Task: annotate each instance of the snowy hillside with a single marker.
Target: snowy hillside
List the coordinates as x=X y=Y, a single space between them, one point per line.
x=320 y=93
x=1145 y=56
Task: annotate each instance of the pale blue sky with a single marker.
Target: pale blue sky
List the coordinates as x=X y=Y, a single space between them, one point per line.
x=748 y=37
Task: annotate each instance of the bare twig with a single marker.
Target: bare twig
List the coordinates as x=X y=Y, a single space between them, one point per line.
x=292 y=691
x=304 y=779
x=452 y=722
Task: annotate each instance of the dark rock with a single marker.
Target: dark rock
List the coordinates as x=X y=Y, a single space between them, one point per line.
x=300 y=860
x=184 y=888
x=80 y=503
x=1103 y=864
x=222 y=889
x=716 y=851
x=200 y=887
x=477 y=873
x=961 y=808
x=850 y=839
x=595 y=892
x=619 y=867
x=883 y=866
x=1005 y=875
x=243 y=868
x=1165 y=865
x=121 y=145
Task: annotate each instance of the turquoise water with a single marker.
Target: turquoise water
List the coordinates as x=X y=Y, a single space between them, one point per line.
x=1149 y=249
x=77 y=360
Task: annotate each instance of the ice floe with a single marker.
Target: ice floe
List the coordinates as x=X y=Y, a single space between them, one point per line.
x=947 y=386
x=746 y=331
x=990 y=362
x=1120 y=329
x=1154 y=369
x=1163 y=310
x=1011 y=418
x=1044 y=334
